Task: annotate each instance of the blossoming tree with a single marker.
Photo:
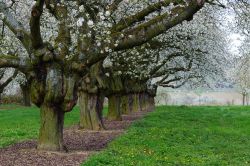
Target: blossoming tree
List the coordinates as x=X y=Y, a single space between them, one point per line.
x=62 y=39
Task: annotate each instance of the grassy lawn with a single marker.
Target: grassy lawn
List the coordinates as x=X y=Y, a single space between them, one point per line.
x=21 y=123
x=183 y=136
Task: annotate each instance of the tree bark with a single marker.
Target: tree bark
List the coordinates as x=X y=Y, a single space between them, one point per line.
x=114 y=112
x=51 y=130
x=125 y=109
x=26 y=95
x=243 y=99
x=143 y=102
x=135 y=103
x=151 y=103
x=247 y=99
x=91 y=106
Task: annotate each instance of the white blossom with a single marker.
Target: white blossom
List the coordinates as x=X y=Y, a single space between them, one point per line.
x=2 y=16
x=90 y=23
x=107 y=13
x=80 y=22
x=81 y=8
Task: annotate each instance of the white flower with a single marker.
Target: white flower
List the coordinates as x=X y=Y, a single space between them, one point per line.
x=106 y=49
x=81 y=8
x=9 y=3
x=80 y=21
x=109 y=25
x=2 y=16
x=89 y=34
x=90 y=23
x=107 y=13
x=102 y=17
x=116 y=45
x=33 y=3
x=99 y=44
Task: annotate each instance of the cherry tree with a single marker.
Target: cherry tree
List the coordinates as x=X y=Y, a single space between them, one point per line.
x=61 y=40
x=24 y=84
x=187 y=53
x=240 y=73
x=242 y=78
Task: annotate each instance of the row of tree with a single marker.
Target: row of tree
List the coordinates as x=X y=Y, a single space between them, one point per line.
x=84 y=51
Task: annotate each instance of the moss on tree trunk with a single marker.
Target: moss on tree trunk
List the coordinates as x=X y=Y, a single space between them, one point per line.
x=51 y=130
x=114 y=112
x=91 y=106
x=125 y=104
x=26 y=95
x=135 y=103
x=143 y=101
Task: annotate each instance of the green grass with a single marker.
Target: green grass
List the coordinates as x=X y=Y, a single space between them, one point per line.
x=19 y=123
x=212 y=136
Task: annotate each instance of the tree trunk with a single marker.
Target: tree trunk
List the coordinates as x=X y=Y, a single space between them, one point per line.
x=135 y=103
x=51 y=130
x=143 y=102
x=151 y=103
x=125 y=104
x=243 y=99
x=114 y=112
x=91 y=106
x=247 y=99
x=26 y=95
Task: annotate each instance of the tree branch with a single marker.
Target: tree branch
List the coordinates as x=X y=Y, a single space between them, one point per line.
x=19 y=63
x=158 y=25
x=113 y=6
x=16 y=27
x=140 y=16
x=157 y=68
x=35 y=31
x=3 y=85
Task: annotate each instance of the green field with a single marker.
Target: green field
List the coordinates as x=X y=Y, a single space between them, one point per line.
x=183 y=136
x=171 y=135
x=22 y=123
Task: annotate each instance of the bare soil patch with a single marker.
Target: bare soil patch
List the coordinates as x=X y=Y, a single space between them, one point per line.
x=81 y=144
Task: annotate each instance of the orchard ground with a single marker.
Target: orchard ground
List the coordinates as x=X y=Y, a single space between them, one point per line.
x=171 y=135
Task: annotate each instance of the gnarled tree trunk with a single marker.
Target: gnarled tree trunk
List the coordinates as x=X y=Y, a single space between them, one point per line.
x=91 y=99
x=243 y=99
x=91 y=106
x=151 y=106
x=144 y=102
x=135 y=107
x=125 y=108
x=26 y=94
x=55 y=93
x=51 y=130
x=114 y=112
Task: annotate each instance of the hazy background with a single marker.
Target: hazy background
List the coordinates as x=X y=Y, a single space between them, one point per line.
x=227 y=96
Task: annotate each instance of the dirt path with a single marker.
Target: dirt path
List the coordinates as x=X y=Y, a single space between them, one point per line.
x=81 y=144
